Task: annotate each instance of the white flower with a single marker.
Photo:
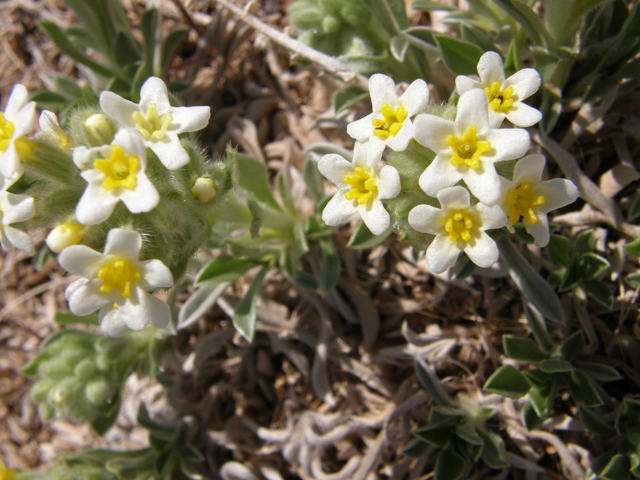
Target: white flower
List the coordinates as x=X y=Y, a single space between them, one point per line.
x=390 y=123
x=529 y=197
x=468 y=148
x=117 y=173
x=157 y=121
x=116 y=282
x=16 y=122
x=51 y=130
x=361 y=185
x=64 y=235
x=14 y=208
x=504 y=96
x=458 y=227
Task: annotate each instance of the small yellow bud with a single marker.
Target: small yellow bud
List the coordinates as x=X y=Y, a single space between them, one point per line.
x=204 y=190
x=64 y=235
x=98 y=125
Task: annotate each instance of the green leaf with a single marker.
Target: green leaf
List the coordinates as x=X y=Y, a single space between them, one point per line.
x=104 y=422
x=284 y=191
x=464 y=269
x=437 y=435
x=253 y=178
x=555 y=366
x=633 y=279
x=448 y=466
x=67 y=87
x=537 y=291
x=530 y=418
x=599 y=292
x=65 y=317
x=599 y=372
x=244 y=318
x=546 y=63
x=169 y=46
x=425 y=6
x=416 y=448
x=573 y=346
x=148 y=28
x=329 y=265
x=459 y=56
x=467 y=430
x=593 y=265
x=494 y=453
x=522 y=349
x=363 y=238
x=572 y=276
x=632 y=213
x=224 y=268
x=476 y=36
x=47 y=100
x=399 y=46
x=348 y=97
x=633 y=248
x=528 y=20
x=594 y=422
x=582 y=389
x=513 y=62
x=313 y=180
x=558 y=250
x=551 y=107
x=585 y=242
x=543 y=396
x=508 y=382
x=124 y=50
x=617 y=469
x=431 y=384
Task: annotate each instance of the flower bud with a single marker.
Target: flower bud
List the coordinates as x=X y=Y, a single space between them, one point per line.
x=331 y=24
x=98 y=392
x=204 y=190
x=64 y=235
x=99 y=128
x=86 y=369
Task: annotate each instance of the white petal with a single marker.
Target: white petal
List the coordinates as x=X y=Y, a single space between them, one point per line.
x=484 y=183
x=539 y=231
x=400 y=142
x=87 y=298
x=48 y=121
x=506 y=144
x=80 y=260
x=10 y=166
x=156 y=275
x=416 y=98
x=525 y=83
x=334 y=168
x=360 y=157
x=170 y=151
x=362 y=129
x=454 y=197
x=82 y=155
x=558 y=193
x=189 y=119
x=19 y=239
x=464 y=84
x=522 y=115
x=472 y=112
x=95 y=206
x=482 y=250
x=529 y=169
x=339 y=210
x=375 y=216
x=17 y=99
x=491 y=216
x=111 y=323
x=383 y=90
x=155 y=91
x=442 y=254
x=26 y=118
x=160 y=314
x=135 y=311
x=496 y=118
x=491 y=68
x=440 y=174
x=426 y=219
x=118 y=108
x=143 y=198
x=124 y=243
x=375 y=148
x=389 y=182
x=131 y=141
x=17 y=208
x=432 y=131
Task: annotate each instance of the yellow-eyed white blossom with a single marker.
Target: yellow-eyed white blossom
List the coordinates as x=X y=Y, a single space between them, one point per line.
x=16 y=121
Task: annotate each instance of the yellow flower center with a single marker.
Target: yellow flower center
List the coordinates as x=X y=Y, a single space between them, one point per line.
x=118 y=272
x=499 y=101
x=5 y=473
x=392 y=123
x=458 y=225
x=365 y=187
x=152 y=126
x=119 y=169
x=467 y=150
x=6 y=132
x=519 y=203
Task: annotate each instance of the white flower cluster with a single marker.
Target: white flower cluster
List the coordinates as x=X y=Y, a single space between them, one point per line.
x=115 y=282
x=466 y=149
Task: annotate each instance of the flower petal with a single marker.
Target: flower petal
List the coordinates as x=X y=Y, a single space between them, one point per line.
x=484 y=183
x=17 y=99
x=558 y=193
x=432 y=131
x=16 y=208
x=156 y=275
x=442 y=254
x=10 y=166
x=522 y=115
x=160 y=314
x=415 y=98
x=362 y=129
x=96 y=205
x=111 y=323
x=19 y=239
x=339 y=210
x=491 y=68
x=135 y=311
x=82 y=155
x=334 y=167
x=383 y=90
x=539 y=231
x=426 y=219
x=440 y=174
x=464 y=84
x=507 y=143
x=525 y=83
x=482 y=250
x=131 y=141
x=189 y=119
x=529 y=169
x=26 y=118
x=454 y=197
x=375 y=216
x=124 y=243
x=472 y=112
x=87 y=298
x=400 y=141
x=389 y=183
x=491 y=216
x=118 y=108
x=170 y=151
x=154 y=91
x=143 y=198
x=80 y=260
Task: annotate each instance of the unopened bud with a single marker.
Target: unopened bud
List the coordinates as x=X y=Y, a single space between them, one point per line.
x=49 y=125
x=64 y=235
x=97 y=392
x=99 y=128
x=204 y=190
